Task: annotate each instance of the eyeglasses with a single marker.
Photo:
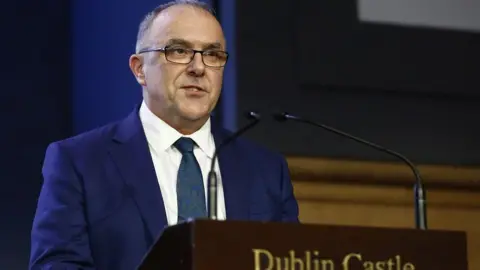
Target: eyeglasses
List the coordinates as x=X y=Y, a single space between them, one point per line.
x=181 y=55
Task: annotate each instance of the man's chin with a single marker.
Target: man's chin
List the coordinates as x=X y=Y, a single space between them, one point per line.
x=195 y=116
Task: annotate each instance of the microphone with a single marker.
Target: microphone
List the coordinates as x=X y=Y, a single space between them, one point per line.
x=212 y=181
x=420 y=195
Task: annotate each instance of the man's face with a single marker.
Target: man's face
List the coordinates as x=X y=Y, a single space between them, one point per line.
x=182 y=91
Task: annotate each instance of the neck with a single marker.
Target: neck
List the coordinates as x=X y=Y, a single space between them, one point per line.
x=183 y=125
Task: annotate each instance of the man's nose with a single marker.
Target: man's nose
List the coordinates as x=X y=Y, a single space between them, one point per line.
x=196 y=66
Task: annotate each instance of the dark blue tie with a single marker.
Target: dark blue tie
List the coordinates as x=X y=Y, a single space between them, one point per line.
x=190 y=188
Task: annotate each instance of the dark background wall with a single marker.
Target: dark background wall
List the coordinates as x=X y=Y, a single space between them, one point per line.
x=35 y=101
x=65 y=70
x=408 y=88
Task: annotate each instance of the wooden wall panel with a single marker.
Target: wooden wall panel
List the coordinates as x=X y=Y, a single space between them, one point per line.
x=380 y=194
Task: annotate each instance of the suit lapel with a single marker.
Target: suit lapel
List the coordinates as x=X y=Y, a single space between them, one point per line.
x=131 y=154
x=234 y=175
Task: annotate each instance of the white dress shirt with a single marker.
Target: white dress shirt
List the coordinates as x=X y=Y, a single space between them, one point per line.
x=166 y=159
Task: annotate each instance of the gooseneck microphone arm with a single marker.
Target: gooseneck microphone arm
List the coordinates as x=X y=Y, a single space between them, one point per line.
x=420 y=196
x=212 y=181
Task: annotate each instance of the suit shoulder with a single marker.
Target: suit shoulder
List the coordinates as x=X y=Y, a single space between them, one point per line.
x=91 y=139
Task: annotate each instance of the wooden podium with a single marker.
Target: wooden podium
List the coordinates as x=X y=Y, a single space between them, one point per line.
x=236 y=245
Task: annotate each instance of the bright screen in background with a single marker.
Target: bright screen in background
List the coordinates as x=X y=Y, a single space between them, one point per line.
x=447 y=14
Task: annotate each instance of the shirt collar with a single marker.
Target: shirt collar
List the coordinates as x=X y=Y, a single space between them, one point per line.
x=162 y=136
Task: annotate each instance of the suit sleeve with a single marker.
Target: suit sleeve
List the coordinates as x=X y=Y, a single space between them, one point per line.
x=290 y=205
x=59 y=238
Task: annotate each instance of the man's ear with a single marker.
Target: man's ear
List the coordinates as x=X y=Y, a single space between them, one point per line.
x=136 y=66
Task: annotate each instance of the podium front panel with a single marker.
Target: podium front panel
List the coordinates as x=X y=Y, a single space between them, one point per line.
x=272 y=246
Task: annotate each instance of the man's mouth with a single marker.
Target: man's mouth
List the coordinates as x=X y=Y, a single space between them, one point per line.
x=193 y=88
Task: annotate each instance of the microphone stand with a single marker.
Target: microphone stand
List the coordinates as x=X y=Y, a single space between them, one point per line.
x=420 y=195
x=212 y=181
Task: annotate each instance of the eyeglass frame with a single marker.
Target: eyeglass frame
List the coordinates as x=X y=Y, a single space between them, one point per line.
x=201 y=52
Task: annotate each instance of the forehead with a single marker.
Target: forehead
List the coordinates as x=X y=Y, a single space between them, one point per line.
x=188 y=23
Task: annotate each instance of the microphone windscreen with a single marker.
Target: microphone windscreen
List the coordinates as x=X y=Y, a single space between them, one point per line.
x=252 y=115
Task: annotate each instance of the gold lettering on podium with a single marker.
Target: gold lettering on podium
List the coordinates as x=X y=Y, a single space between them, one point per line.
x=258 y=255
x=265 y=260
x=390 y=264
x=311 y=260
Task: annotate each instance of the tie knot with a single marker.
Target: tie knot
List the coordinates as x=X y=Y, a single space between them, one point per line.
x=184 y=145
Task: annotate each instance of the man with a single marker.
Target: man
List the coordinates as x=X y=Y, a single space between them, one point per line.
x=109 y=193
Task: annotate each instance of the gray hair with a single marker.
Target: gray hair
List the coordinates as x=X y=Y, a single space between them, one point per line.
x=150 y=17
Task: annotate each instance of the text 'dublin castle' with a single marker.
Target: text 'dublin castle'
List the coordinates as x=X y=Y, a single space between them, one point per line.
x=310 y=260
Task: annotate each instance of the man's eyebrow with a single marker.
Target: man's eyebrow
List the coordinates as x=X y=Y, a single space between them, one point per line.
x=215 y=45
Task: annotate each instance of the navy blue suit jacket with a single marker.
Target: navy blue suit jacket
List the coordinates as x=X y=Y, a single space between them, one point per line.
x=100 y=205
